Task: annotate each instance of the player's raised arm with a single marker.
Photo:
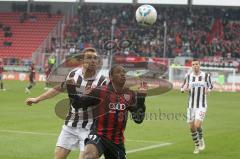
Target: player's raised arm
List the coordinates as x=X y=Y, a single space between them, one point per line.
x=46 y=95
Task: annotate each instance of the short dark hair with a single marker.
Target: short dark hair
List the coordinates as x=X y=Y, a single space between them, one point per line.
x=195 y=59
x=87 y=49
x=112 y=69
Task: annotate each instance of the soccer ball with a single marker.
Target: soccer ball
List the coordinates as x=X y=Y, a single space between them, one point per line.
x=146 y=15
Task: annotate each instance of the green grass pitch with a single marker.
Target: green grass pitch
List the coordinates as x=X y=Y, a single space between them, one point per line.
x=31 y=132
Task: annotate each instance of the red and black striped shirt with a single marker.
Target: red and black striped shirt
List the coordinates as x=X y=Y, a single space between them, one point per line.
x=112 y=113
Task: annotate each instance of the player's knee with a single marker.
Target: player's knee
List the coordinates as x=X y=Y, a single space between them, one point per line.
x=61 y=153
x=89 y=156
x=198 y=127
x=90 y=152
x=193 y=129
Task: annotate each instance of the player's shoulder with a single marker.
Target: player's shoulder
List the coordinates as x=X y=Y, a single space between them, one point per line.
x=101 y=78
x=102 y=89
x=77 y=69
x=128 y=91
x=188 y=74
x=74 y=71
x=203 y=73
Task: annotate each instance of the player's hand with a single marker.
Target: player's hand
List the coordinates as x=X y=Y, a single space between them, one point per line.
x=31 y=101
x=207 y=91
x=143 y=87
x=87 y=91
x=70 y=81
x=185 y=89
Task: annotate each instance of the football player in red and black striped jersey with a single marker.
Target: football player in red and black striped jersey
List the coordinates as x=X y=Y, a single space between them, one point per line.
x=111 y=113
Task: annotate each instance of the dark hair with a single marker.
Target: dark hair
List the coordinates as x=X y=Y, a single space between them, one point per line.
x=82 y=54
x=112 y=69
x=195 y=59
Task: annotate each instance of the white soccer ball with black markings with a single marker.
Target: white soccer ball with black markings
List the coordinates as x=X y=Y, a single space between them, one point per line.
x=146 y=15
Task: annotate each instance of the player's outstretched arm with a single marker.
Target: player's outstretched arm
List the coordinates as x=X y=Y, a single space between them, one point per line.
x=88 y=99
x=46 y=95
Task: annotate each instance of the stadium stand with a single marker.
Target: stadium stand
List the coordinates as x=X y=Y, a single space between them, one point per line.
x=27 y=33
x=203 y=31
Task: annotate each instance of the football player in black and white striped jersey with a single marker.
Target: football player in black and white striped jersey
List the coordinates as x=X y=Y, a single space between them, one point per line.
x=78 y=121
x=197 y=83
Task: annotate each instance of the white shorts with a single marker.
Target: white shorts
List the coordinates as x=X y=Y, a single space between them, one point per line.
x=196 y=114
x=72 y=138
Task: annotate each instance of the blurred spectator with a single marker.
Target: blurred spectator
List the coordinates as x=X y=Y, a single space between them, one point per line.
x=200 y=32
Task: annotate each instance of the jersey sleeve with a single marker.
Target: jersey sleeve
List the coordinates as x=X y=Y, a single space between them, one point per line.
x=87 y=100
x=102 y=81
x=68 y=80
x=61 y=87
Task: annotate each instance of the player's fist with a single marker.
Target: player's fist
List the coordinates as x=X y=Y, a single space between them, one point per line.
x=87 y=90
x=31 y=101
x=185 y=89
x=143 y=87
x=70 y=81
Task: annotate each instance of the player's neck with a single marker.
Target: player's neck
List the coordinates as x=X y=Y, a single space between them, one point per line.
x=88 y=74
x=117 y=89
x=197 y=72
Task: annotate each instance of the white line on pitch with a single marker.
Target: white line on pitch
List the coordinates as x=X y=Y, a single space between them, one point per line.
x=149 y=147
x=52 y=134
x=146 y=148
x=146 y=141
x=28 y=132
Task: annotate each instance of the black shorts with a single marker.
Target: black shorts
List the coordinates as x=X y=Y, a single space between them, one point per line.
x=106 y=147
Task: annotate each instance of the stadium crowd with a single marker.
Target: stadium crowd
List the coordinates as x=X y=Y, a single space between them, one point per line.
x=201 y=31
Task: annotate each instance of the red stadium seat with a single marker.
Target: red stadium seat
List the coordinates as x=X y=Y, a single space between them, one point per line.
x=27 y=36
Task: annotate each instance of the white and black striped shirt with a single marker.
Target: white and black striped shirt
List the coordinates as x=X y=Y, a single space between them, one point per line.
x=76 y=85
x=197 y=85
